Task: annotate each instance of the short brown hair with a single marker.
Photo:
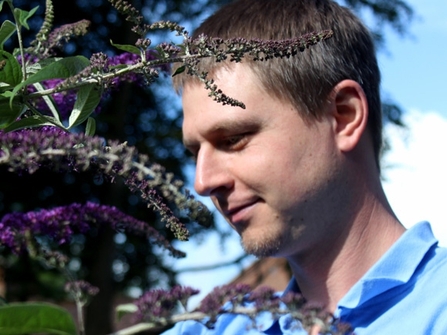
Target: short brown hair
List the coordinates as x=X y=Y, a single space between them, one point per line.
x=308 y=78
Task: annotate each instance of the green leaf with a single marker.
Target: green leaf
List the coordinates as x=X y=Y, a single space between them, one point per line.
x=124 y=309
x=87 y=98
x=10 y=71
x=36 y=67
x=29 y=122
x=22 y=16
x=90 y=128
x=179 y=70
x=32 y=318
x=127 y=47
x=3 y=1
x=6 y=30
x=61 y=69
x=8 y=113
x=49 y=101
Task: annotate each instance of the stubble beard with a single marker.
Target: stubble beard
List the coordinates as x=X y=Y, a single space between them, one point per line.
x=265 y=245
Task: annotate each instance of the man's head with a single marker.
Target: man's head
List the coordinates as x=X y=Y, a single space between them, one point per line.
x=307 y=79
x=290 y=173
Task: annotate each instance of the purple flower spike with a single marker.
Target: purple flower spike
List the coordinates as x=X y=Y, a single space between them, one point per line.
x=60 y=223
x=158 y=303
x=213 y=302
x=50 y=147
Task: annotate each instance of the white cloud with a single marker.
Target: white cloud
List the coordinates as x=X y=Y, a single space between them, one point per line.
x=416 y=180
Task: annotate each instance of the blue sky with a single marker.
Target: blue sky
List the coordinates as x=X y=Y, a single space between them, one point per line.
x=414 y=74
x=414 y=71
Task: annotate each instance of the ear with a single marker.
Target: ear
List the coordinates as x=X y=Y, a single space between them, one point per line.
x=350 y=114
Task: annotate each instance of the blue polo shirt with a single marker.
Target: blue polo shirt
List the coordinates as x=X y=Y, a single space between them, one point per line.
x=405 y=292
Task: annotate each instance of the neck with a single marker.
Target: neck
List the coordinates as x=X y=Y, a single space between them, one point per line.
x=327 y=272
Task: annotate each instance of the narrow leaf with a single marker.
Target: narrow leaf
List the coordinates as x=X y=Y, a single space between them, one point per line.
x=8 y=113
x=29 y=122
x=179 y=70
x=36 y=67
x=124 y=309
x=127 y=47
x=90 y=128
x=87 y=99
x=32 y=318
x=6 y=30
x=22 y=16
x=49 y=101
x=61 y=69
x=10 y=71
x=3 y=1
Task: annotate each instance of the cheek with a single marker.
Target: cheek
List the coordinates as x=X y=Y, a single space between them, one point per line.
x=262 y=164
x=296 y=175
x=274 y=169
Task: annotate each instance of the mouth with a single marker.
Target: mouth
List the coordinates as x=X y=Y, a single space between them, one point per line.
x=241 y=213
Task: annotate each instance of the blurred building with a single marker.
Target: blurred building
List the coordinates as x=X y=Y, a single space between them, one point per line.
x=272 y=272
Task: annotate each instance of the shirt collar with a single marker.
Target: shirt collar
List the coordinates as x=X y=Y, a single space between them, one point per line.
x=395 y=267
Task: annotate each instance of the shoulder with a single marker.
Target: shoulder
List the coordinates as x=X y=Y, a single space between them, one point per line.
x=431 y=275
x=408 y=283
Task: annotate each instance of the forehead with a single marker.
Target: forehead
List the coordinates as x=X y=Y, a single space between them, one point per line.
x=207 y=121
x=237 y=82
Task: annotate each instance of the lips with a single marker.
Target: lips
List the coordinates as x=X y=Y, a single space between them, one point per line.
x=239 y=213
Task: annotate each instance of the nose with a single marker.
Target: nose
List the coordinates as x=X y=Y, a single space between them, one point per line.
x=212 y=174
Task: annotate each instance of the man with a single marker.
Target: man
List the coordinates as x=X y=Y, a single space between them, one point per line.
x=297 y=174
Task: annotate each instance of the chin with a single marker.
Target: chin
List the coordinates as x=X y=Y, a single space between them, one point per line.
x=260 y=246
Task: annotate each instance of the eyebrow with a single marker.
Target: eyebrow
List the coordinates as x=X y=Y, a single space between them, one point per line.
x=231 y=126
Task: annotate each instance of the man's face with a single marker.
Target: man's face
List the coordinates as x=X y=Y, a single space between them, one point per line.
x=272 y=175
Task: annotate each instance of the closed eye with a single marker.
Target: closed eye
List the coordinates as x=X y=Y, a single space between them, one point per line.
x=235 y=142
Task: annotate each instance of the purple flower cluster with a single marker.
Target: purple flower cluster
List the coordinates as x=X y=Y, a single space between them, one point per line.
x=81 y=288
x=28 y=58
x=64 y=33
x=213 y=303
x=60 y=223
x=131 y=59
x=160 y=304
x=126 y=58
x=155 y=201
x=265 y=298
x=49 y=147
x=22 y=150
x=159 y=307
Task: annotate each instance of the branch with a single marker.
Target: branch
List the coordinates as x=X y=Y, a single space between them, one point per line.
x=30 y=150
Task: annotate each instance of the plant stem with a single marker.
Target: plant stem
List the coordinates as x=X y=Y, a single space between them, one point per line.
x=19 y=39
x=80 y=314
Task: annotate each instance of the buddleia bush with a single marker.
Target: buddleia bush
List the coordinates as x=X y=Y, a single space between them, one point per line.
x=48 y=106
